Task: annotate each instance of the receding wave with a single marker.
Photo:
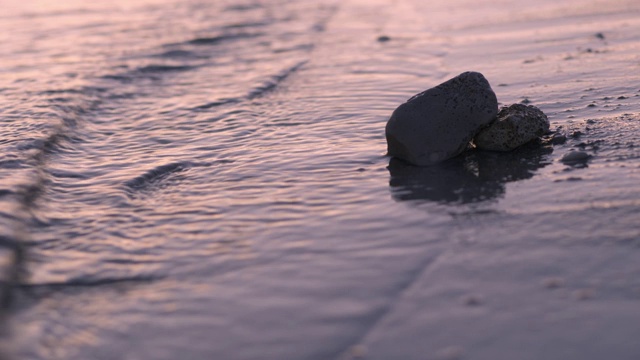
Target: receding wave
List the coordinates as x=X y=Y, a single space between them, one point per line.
x=274 y=81
x=265 y=87
x=147 y=71
x=217 y=103
x=164 y=68
x=177 y=54
x=156 y=175
x=244 y=7
x=245 y=25
x=214 y=40
x=90 y=282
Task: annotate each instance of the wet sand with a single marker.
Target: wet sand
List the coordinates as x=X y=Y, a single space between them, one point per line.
x=542 y=260
x=220 y=189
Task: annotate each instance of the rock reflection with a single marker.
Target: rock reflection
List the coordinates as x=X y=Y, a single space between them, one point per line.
x=469 y=178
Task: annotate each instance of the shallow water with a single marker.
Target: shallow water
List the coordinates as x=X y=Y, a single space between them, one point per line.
x=208 y=180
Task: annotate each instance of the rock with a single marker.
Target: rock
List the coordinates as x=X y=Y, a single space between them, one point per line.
x=573 y=157
x=438 y=123
x=558 y=139
x=553 y=138
x=515 y=125
x=472 y=300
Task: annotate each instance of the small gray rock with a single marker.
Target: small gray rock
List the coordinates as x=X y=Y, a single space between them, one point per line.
x=438 y=124
x=516 y=125
x=575 y=157
x=558 y=138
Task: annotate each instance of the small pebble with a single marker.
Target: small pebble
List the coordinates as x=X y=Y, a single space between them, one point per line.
x=591 y=105
x=558 y=139
x=575 y=157
x=621 y=97
x=383 y=38
x=472 y=300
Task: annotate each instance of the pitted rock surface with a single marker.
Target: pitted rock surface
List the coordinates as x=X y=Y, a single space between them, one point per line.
x=515 y=125
x=438 y=123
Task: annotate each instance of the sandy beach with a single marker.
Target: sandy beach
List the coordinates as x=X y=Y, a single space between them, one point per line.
x=208 y=180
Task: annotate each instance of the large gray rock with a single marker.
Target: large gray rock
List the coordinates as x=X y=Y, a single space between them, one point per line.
x=516 y=125
x=438 y=124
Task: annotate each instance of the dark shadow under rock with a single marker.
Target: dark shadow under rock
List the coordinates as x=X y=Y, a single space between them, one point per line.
x=472 y=177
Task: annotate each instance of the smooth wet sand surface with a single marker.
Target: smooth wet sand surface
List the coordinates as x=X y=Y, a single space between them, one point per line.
x=208 y=181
